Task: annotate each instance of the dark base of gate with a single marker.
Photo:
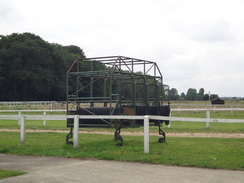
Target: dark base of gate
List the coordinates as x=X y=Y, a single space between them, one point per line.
x=69 y=136
x=117 y=137
x=161 y=132
x=119 y=124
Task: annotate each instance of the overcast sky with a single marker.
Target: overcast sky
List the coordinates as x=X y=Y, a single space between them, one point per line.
x=196 y=43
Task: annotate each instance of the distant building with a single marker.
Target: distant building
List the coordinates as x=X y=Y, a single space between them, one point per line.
x=218 y=101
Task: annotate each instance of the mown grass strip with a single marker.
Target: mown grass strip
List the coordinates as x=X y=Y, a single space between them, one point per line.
x=9 y=173
x=198 y=152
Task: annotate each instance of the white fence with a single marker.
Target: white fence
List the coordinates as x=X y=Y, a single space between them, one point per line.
x=146 y=119
x=208 y=119
x=34 y=104
x=43 y=117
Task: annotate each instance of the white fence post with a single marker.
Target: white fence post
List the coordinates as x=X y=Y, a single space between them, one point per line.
x=76 y=131
x=19 y=117
x=22 y=129
x=44 y=121
x=146 y=134
x=169 y=120
x=208 y=117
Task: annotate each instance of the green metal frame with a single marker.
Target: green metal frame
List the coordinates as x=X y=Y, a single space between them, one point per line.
x=119 y=71
x=126 y=82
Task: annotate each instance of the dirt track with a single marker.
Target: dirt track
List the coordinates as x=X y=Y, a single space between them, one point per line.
x=175 y=134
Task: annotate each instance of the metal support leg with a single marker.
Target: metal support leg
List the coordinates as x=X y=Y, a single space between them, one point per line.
x=161 y=132
x=69 y=136
x=117 y=137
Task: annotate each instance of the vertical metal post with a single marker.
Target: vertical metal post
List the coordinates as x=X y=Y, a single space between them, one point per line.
x=91 y=92
x=110 y=91
x=208 y=117
x=120 y=94
x=133 y=89
x=105 y=92
x=44 y=121
x=77 y=85
x=67 y=92
x=145 y=93
x=146 y=134
x=76 y=131
x=22 y=129
x=161 y=91
x=156 y=101
x=91 y=88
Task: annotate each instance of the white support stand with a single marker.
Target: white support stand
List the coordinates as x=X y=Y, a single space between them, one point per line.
x=208 y=117
x=76 y=131
x=22 y=129
x=146 y=134
x=44 y=121
x=169 y=120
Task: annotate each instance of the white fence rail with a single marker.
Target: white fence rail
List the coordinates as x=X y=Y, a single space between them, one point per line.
x=208 y=109
x=9 y=111
x=44 y=117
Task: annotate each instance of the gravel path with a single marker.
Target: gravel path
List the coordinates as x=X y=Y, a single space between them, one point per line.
x=175 y=134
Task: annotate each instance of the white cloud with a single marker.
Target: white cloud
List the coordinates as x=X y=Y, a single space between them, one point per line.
x=196 y=43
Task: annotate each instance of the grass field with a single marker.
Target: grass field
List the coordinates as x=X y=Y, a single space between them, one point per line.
x=220 y=153
x=9 y=173
x=199 y=152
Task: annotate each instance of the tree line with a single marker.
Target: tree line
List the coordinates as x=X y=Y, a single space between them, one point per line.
x=34 y=69
x=191 y=94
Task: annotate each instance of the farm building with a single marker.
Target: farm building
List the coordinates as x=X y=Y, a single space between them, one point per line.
x=217 y=101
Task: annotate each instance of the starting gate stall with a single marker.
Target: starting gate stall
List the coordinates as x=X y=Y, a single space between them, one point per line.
x=115 y=85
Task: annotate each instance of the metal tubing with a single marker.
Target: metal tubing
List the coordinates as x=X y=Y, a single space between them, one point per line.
x=91 y=92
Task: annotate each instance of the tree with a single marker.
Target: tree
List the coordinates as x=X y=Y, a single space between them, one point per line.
x=213 y=96
x=191 y=94
x=182 y=96
x=26 y=63
x=33 y=69
x=75 y=50
x=205 y=97
x=200 y=94
x=174 y=94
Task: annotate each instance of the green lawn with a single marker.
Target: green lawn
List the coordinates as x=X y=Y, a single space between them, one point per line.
x=9 y=173
x=198 y=152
